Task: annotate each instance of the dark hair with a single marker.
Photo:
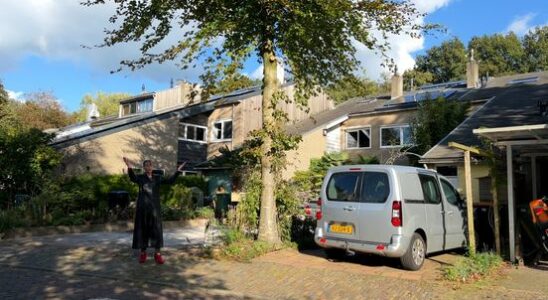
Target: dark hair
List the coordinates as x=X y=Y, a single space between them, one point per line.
x=147 y=161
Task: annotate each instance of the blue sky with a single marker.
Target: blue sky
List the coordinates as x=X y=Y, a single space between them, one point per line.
x=40 y=45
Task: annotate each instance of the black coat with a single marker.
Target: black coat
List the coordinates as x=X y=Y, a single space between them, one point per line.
x=148 y=216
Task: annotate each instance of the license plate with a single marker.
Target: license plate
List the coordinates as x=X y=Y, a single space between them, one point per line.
x=338 y=228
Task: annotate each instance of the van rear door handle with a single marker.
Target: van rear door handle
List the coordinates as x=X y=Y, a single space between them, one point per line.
x=450 y=212
x=349 y=208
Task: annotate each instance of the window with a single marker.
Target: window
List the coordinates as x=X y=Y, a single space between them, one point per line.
x=144 y=106
x=358 y=138
x=137 y=107
x=222 y=130
x=395 y=136
x=375 y=187
x=342 y=187
x=430 y=189
x=450 y=193
x=191 y=132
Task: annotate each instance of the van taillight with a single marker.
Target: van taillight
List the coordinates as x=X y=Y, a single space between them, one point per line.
x=397 y=216
x=319 y=209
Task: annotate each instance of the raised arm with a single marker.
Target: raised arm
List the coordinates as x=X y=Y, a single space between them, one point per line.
x=171 y=179
x=130 y=172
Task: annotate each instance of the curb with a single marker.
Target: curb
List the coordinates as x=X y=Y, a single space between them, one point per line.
x=106 y=227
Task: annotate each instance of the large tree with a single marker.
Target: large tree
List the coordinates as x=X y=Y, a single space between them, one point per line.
x=535 y=43
x=107 y=104
x=499 y=54
x=350 y=87
x=41 y=110
x=445 y=62
x=314 y=38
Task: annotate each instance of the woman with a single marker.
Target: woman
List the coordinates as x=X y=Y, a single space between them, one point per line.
x=148 y=218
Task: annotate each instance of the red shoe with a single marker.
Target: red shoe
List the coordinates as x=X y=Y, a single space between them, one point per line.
x=143 y=257
x=159 y=259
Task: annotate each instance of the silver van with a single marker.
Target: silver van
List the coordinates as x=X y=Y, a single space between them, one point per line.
x=394 y=211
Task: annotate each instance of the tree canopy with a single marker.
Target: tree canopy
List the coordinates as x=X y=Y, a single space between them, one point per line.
x=315 y=40
x=536 y=49
x=499 y=54
x=41 y=110
x=107 y=104
x=446 y=62
x=351 y=87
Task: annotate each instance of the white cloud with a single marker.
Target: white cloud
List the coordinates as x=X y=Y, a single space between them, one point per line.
x=521 y=24
x=57 y=29
x=15 y=95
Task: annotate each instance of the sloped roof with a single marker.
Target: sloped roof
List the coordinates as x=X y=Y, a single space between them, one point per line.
x=513 y=101
x=341 y=110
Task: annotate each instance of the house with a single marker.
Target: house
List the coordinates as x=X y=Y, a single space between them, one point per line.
x=514 y=121
x=376 y=127
x=170 y=127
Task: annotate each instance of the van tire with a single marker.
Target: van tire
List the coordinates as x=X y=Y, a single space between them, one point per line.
x=414 y=257
x=334 y=253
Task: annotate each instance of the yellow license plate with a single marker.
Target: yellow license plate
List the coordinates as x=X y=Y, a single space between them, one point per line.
x=338 y=228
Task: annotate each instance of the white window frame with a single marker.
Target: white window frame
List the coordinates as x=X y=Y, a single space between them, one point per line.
x=184 y=137
x=401 y=136
x=354 y=129
x=214 y=139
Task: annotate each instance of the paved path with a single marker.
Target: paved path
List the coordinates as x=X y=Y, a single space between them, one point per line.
x=101 y=265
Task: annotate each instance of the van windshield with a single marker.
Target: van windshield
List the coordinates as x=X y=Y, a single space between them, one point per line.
x=342 y=187
x=375 y=187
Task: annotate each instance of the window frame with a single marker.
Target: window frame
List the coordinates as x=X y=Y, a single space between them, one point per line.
x=133 y=107
x=214 y=139
x=437 y=188
x=184 y=136
x=356 y=129
x=357 y=187
x=400 y=127
x=458 y=199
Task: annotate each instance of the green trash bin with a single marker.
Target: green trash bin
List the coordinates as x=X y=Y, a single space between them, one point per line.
x=222 y=200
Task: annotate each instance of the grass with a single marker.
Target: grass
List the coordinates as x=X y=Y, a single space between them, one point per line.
x=473 y=267
x=239 y=247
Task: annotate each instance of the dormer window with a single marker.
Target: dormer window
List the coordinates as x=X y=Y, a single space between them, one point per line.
x=137 y=107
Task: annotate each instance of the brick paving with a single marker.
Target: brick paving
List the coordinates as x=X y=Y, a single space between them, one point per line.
x=53 y=268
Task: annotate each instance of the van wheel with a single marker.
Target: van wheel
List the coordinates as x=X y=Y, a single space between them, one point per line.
x=334 y=253
x=413 y=259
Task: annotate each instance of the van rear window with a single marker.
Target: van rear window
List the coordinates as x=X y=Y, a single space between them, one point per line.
x=375 y=187
x=343 y=187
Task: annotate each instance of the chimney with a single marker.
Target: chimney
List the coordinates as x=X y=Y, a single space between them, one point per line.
x=93 y=112
x=397 y=85
x=472 y=72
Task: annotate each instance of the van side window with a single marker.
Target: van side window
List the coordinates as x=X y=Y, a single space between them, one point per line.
x=375 y=187
x=342 y=187
x=450 y=193
x=430 y=189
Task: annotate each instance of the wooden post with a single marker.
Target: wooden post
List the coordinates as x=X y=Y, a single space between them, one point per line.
x=469 y=203
x=510 y=181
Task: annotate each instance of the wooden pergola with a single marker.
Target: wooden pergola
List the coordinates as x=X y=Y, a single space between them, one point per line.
x=529 y=140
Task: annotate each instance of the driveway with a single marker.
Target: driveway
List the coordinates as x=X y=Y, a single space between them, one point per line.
x=102 y=265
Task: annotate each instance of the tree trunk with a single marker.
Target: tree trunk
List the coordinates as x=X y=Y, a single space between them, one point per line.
x=268 y=225
x=494 y=192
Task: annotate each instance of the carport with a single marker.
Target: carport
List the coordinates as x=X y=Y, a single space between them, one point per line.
x=527 y=142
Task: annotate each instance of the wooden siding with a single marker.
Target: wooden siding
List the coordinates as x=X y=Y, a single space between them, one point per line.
x=178 y=95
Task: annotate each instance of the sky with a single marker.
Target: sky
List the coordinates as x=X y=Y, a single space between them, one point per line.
x=42 y=45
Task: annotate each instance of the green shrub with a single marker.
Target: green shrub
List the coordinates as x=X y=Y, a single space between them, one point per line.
x=180 y=197
x=473 y=267
x=10 y=219
x=204 y=212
